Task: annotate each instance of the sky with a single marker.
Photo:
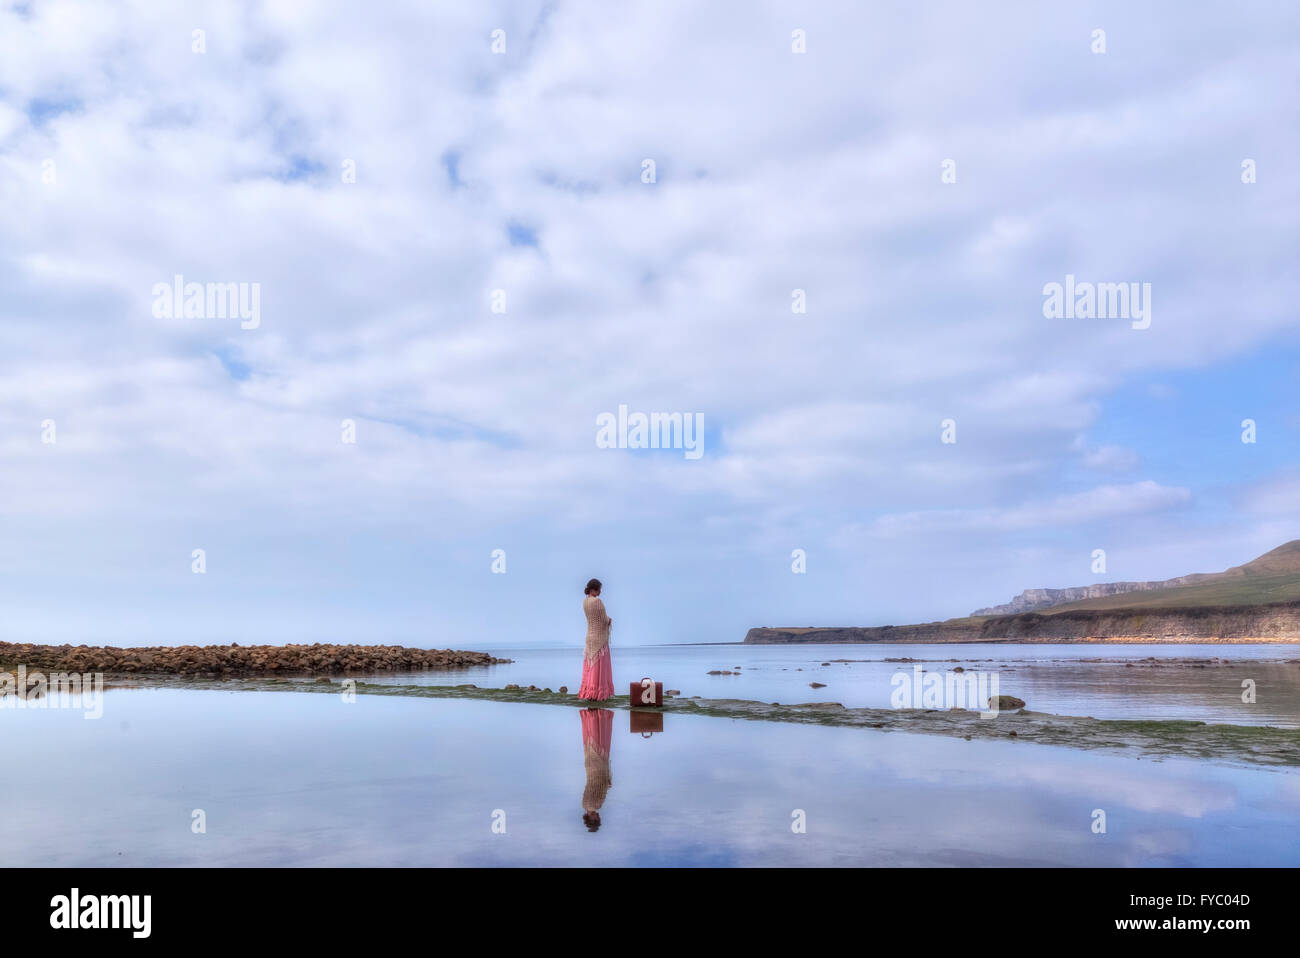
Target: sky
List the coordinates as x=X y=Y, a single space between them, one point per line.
x=449 y=219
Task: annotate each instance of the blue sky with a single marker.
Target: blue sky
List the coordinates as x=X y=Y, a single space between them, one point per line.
x=126 y=158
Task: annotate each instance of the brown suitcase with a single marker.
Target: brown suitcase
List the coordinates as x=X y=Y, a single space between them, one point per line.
x=647 y=723
x=645 y=693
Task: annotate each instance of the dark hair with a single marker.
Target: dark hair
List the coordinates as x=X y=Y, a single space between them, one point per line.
x=591 y=820
x=592 y=586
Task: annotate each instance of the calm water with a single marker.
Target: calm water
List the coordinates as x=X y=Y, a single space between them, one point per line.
x=1065 y=679
x=299 y=779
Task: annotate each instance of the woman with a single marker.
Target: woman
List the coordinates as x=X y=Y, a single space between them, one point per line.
x=597 y=674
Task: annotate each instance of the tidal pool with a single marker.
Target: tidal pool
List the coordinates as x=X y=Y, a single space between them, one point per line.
x=284 y=778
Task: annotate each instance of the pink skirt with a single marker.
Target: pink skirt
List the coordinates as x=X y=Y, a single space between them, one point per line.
x=597 y=678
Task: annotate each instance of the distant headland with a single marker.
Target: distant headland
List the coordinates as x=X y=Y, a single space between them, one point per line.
x=1255 y=602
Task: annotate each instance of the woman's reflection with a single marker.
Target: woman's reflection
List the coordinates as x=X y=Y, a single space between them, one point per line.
x=597 y=732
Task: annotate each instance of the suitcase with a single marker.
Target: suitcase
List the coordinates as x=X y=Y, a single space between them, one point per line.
x=647 y=723
x=646 y=692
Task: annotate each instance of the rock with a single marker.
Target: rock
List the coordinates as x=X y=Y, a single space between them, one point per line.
x=564 y=690
x=817 y=685
x=959 y=669
x=825 y=663
x=1007 y=703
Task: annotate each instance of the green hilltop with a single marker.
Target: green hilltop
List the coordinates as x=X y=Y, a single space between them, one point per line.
x=1273 y=577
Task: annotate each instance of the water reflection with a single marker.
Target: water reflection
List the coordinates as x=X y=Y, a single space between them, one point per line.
x=597 y=734
x=714 y=793
x=645 y=723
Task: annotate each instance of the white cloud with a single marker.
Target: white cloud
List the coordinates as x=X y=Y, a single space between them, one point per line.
x=1103 y=502
x=776 y=172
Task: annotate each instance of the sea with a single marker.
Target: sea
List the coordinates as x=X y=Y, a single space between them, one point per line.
x=187 y=777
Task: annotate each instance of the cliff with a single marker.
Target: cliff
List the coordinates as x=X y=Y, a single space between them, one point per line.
x=1032 y=600
x=1277 y=622
x=1272 y=577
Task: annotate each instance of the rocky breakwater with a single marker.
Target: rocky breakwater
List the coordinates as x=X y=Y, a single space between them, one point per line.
x=235 y=659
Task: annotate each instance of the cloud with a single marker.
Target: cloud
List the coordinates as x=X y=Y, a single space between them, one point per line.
x=1109 y=458
x=1101 y=503
x=521 y=172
